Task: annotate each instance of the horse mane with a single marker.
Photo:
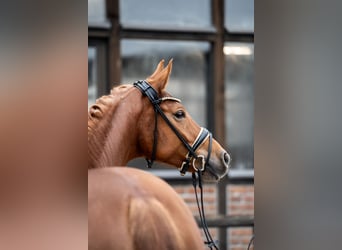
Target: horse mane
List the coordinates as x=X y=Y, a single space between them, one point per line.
x=100 y=116
x=151 y=225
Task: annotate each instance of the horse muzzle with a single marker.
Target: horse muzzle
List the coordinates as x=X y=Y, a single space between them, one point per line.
x=217 y=167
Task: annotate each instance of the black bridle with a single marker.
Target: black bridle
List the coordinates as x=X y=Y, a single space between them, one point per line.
x=147 y=90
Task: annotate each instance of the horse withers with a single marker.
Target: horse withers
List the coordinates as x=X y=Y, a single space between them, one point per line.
x=132 y=209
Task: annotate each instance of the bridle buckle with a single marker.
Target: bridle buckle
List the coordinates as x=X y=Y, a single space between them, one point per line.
x=185 y=165
x=199 y=163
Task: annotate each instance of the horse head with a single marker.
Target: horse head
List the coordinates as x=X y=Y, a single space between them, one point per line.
x=175 y=138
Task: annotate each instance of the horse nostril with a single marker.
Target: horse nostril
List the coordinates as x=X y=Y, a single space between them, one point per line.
x=226 y=158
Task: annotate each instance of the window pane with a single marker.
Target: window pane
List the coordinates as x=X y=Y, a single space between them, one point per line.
x=188 y=78
x=166 y=13
x=239 y=15
x=92 y=73
x=239 y=101
x=97 y=13
x=97 y=74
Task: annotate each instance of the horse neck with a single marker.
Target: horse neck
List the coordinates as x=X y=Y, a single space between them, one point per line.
x=119 y=143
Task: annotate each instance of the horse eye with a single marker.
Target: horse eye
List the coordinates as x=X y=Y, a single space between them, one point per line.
x=179 y=114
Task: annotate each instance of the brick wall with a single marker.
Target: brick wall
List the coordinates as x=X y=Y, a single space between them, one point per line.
x=209 y=198
x=239 y=238
x=240 y=201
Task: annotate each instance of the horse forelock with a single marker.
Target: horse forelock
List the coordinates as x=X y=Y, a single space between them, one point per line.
x=100 y=116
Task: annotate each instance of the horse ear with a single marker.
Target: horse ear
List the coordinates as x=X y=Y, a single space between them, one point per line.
x=158 y=69
x=159 y=80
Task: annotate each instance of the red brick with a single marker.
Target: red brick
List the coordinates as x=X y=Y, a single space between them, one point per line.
x=240 y=231
x=250 y=198
x=238 y=248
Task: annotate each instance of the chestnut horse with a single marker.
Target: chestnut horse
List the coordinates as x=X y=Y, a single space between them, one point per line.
x=130 y=208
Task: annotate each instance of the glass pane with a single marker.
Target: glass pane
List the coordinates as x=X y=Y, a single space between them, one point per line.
x=239 y=102
x=97 y=12
x=92 y=73
x=188 y=78
x=166 y=13
x=239 y=15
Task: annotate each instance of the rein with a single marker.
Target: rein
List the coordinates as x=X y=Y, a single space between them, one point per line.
x=250 y=242
x=210 y=242
x=147 y=90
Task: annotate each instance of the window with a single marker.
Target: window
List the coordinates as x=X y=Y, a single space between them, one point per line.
x=239 y=100
x=187 y=31
x=97 y=13
x=92 y=86
x=165 y=13
x=97 y=75
x=239 y=16
x=188 y=79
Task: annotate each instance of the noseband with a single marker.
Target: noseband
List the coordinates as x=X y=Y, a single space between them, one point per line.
x=147 y=90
